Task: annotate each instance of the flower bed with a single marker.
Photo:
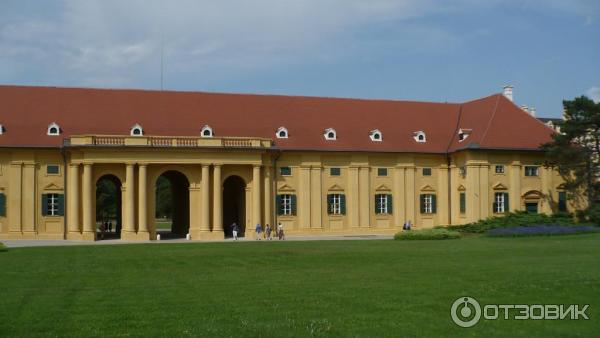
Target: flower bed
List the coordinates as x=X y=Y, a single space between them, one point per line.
x=541 y=230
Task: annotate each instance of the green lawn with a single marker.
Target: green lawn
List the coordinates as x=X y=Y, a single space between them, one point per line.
x=320 y=288
x=163 y=224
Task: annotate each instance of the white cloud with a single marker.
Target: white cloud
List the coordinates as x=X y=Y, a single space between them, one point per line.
x=594 y=94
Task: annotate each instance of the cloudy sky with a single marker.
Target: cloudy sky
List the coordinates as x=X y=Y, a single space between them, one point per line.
x=434 y=50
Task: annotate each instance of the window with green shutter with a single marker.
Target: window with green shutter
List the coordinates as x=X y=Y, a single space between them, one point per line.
x=286 y=204
x=463 y=202
x=2 y=205
x=383 y=204
x=336 y=204
x=53 y=204
x=501 y=203
x=428 y=204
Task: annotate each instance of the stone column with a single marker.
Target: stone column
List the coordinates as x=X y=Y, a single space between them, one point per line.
x=89 y=231
x=515 y=186
x=255 y=195
x=268 y=200
x=217 y=200
x=129 y=221
x=15 y=174
x=73 y=202
x=316 y=199
x=443 y=206
x=304 y=198
x=205 y=209
x=352 y=197
x=364 y=196
x=28 y=218
x=142 y=199
x=398 y=197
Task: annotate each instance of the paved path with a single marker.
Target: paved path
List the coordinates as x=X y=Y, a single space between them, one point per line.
x=41 y=242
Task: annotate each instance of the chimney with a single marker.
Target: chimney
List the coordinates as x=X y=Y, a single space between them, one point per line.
x=525 y=108
x=508 y=92
x=532 y=111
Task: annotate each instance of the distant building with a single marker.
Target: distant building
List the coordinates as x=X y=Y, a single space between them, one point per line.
x=553 y=123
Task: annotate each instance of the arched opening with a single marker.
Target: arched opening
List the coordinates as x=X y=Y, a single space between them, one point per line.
x=172 y=210
x=234 y=205
x=108 y=207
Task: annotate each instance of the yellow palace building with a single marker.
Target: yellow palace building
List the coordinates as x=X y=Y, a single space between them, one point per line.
x=317 y=165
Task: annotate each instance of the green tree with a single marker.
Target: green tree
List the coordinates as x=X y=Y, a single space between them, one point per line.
x=106 y=200
x=575 y=151
x=164 y=198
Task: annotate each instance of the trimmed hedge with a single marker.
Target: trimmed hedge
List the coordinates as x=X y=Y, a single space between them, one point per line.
x=2 y=247
x=427 y=234
x=513 y=220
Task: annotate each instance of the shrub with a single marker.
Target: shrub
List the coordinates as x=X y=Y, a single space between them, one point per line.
x=594 y=213
x=427 y=234
x=520 y=218
x=541 y=230
x=2 y=247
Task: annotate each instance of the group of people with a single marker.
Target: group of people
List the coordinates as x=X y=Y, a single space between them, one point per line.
x=259 y=231
x=104 y=227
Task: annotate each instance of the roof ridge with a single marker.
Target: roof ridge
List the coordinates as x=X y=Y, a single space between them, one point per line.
x=490 y=121
x=227 y=93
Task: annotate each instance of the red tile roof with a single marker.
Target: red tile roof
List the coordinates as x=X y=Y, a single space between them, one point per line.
x=494 y=121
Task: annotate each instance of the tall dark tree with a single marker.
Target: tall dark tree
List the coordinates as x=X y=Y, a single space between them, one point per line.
x=575 y=151
x=164 y=198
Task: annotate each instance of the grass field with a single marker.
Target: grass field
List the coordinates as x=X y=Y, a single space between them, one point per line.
x=319 y=288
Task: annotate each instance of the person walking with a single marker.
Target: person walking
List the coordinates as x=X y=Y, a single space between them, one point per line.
x=258 y=231
x=280 y=232
x=268 y=232
x=234 y=230
x=109 y=226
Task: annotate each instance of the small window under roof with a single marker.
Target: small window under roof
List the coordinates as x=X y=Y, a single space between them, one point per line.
x=53 y=129
x=376 y=135
x=330 y=134
x=420 y=136
x=282 y=132
x=136 y=130
x=206 y=131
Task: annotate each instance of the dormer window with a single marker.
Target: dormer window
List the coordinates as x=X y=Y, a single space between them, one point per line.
x=463 y=134
x=1 y=129
x=206 y=131
x=136 y=130
x=53 y=129
x=330 y=134
x=376 y=135
x=420 y=137
x=282 y=132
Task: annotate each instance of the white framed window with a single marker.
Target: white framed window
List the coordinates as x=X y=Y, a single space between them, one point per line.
x=428 y=204
x=420 y=136
x=500 y=202
x=136 y=130
x=532 y=171
x=286 y=204
x=382 y=204
x=376 y=135
x=52 y=204
x=53 y=129
x=330 y=134
x=282 y=132
x=206 y=131
x=1 y=129
x=336 y=204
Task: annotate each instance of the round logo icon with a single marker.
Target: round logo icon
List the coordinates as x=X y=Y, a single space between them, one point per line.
x=465 y=311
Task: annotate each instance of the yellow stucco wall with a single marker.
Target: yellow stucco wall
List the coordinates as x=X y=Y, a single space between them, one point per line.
x=23 y=179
